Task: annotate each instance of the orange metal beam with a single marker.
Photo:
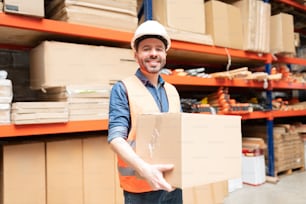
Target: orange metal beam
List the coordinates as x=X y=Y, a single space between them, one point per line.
x=290 y=60
x=201 y=48
x=53 y=128
x=63 y=28
x=291 y=113
x=198 y=81
x=294 y=4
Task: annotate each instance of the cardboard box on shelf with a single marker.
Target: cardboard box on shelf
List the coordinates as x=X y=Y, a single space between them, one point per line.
x=99 y=171
x=282 y=34
x=181 y=15
x=203 y=148
x=23 y=173
x=112 y=15
x=59 y=64
x=224 y=24
x=64 y=171
x=29 y=7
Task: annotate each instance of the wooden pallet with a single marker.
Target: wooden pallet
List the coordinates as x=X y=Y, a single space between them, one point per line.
x=289 y=171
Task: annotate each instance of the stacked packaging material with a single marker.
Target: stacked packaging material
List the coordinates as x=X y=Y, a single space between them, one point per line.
x=253 y=161
x=6 y=96
x=1 y=6
x=112 y=14
x=85 y=102
x=179 y=22
x=39 y=112
x=255 y=16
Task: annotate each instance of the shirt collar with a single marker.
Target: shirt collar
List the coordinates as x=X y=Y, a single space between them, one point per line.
x=145 y=81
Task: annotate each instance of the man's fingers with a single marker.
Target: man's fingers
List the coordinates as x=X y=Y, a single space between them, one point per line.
x=164 y=167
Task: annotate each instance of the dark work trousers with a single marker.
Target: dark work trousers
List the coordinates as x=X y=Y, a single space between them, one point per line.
x=154 y=197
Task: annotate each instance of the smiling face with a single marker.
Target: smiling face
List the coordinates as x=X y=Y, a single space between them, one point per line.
x=151 y=55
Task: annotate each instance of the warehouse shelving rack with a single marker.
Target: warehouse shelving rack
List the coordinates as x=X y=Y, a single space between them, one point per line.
x=46 y=29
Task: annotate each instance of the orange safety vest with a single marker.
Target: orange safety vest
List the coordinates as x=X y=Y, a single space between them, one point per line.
x=141 y=101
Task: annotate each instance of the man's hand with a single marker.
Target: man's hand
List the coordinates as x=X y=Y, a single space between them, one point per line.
x=154 y=175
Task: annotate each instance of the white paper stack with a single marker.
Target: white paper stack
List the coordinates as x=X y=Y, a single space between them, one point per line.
x=253 y=170
x=6 y=97
x=85 y=102
x=39 y=112
x=112 y=14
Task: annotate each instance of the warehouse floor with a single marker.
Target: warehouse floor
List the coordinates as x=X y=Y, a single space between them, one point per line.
x=289 y=190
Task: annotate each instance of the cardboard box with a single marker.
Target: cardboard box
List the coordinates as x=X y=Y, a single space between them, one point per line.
x=59 y=64
x=224 y=24
x=23 y=176
x=282 y=33
x=203 y=148
x=180 y=14
x=29 y=7
x=105 y=15
x=99 y=171
x=65 y=172
x=213 y=193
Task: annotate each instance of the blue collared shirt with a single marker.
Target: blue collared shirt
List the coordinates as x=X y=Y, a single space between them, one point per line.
x=119 y=111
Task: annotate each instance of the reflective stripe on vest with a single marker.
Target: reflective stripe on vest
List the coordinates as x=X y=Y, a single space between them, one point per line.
x=141 y=101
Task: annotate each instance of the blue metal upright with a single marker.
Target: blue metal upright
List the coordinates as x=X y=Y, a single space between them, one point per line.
x=148 y=14
x=270 y=140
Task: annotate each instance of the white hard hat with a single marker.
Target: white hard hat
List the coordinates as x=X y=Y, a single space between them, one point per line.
x=151 y=28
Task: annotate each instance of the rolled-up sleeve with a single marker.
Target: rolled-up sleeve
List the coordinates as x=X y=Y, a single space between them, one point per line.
x=119 y=113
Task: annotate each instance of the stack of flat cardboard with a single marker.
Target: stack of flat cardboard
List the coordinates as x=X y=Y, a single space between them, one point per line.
x=39 y=112
x=255 y=16
x=85 y=102
x=114 y=14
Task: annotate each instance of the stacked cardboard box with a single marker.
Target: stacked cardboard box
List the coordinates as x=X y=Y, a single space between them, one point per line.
x=282 y=33
x=288 y=146
x=223 y=23
x=70 y=171
x=23 y=173
x=288 y=151
x=57 y=64
x=178 y=21
x=114 y=14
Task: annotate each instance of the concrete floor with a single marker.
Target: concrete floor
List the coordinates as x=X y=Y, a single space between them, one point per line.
x=290 y=189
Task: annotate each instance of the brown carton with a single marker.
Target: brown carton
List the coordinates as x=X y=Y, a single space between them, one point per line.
x=203 y=148
x=29 y=7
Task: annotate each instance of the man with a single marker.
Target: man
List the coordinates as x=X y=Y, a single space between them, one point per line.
x=144 y=92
